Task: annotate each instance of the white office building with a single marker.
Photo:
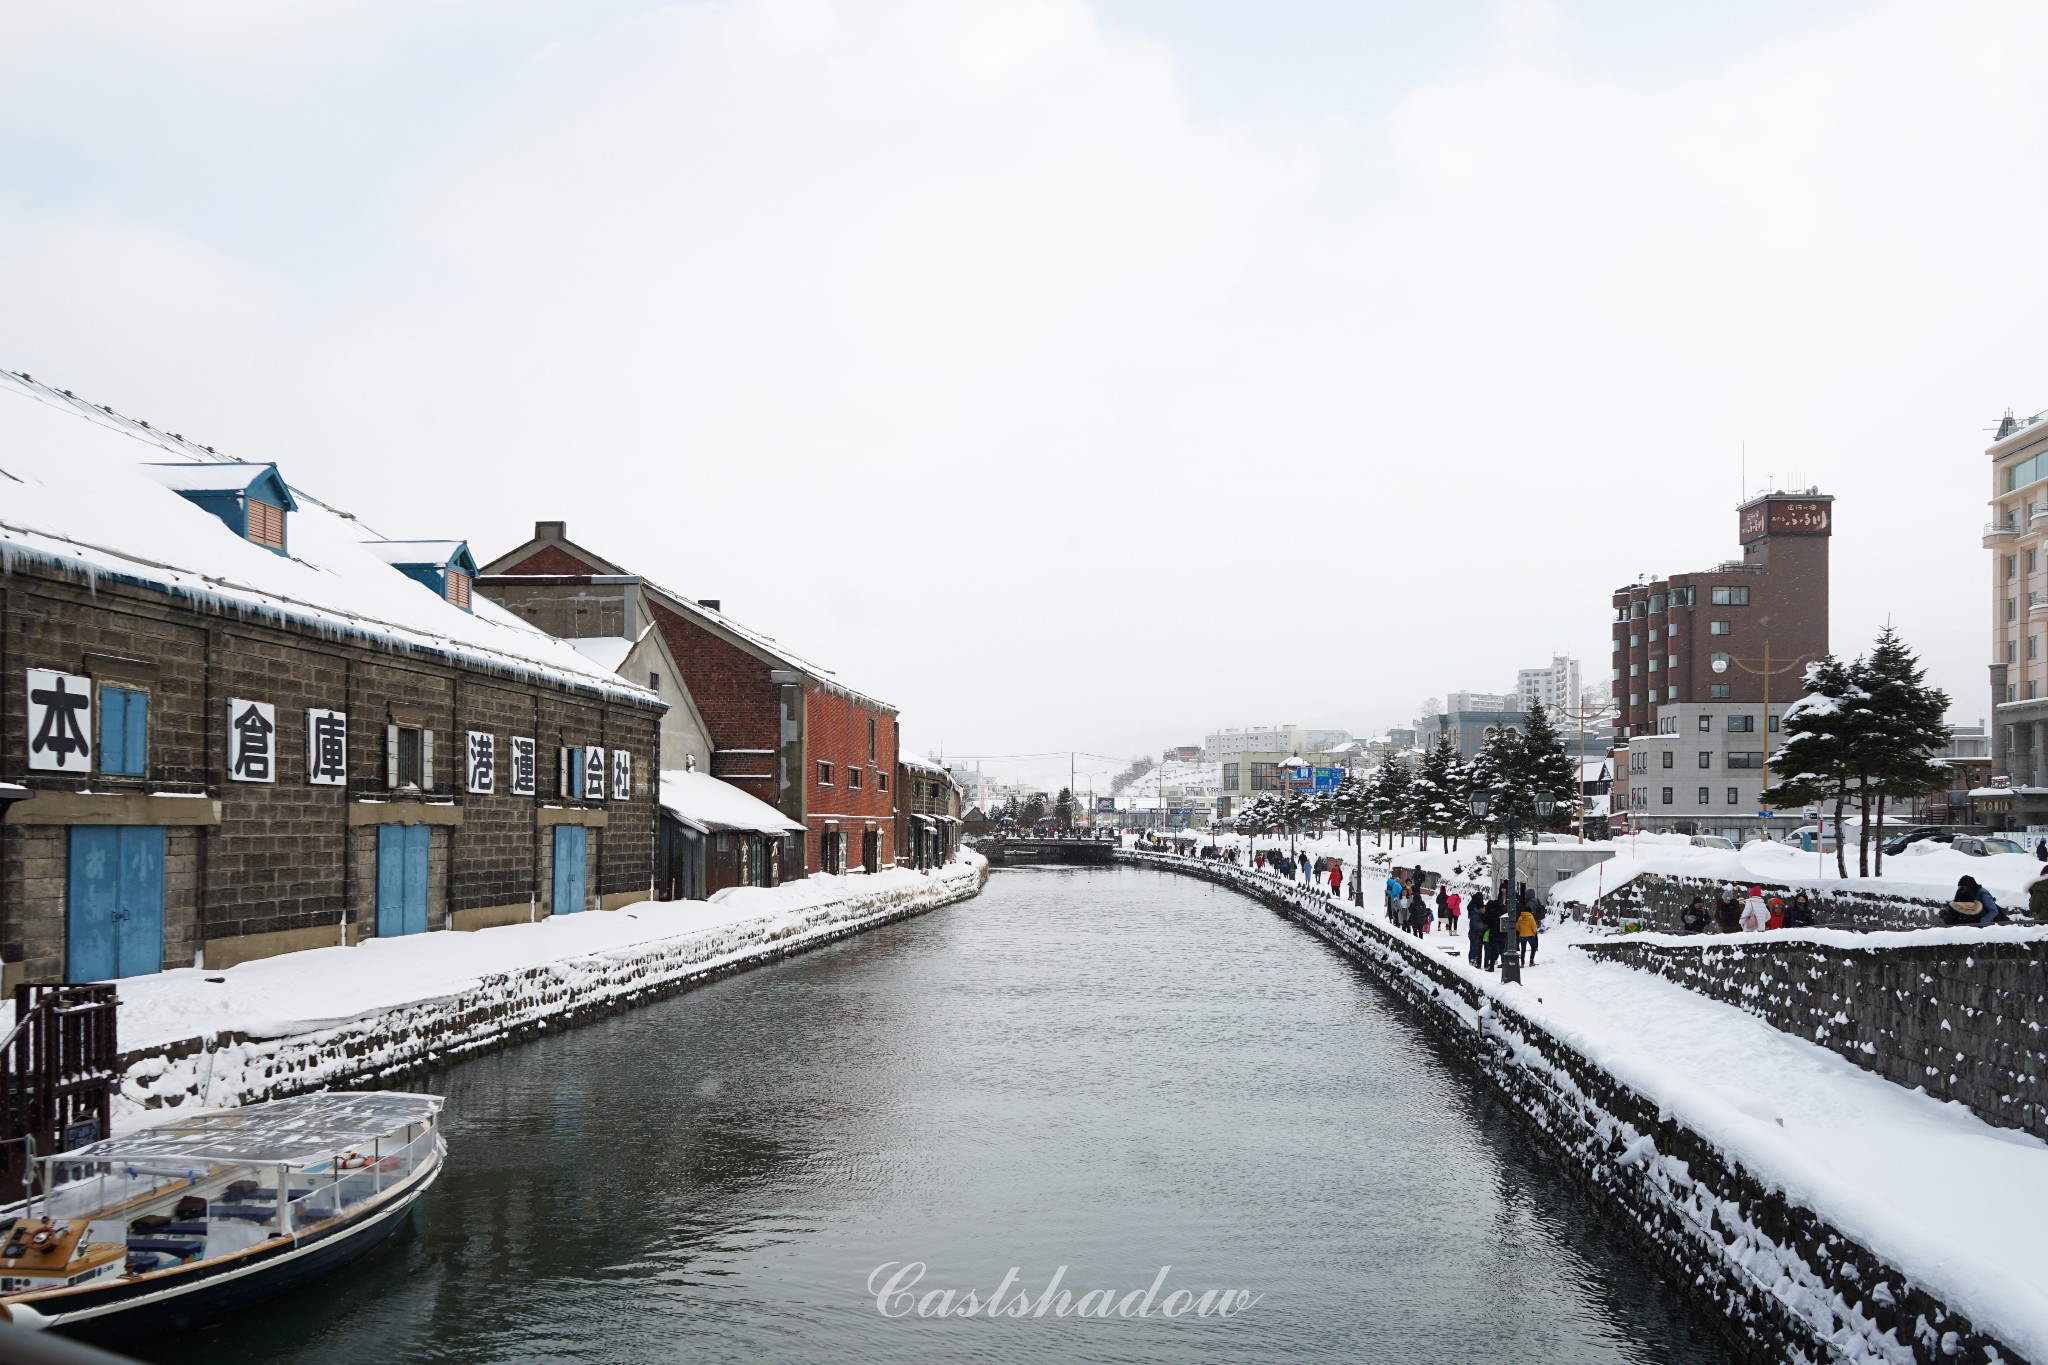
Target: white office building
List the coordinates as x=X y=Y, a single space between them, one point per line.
x=1555 y=687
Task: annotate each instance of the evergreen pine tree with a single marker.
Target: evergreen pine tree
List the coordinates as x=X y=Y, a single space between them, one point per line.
x=1907 y=725
x=1390 y=796
x=1816 y=763
x=1546 y=767
x=1435 y=792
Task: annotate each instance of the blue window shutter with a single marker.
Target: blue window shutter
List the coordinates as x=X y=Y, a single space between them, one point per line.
x=113 y=730
x=137 y=734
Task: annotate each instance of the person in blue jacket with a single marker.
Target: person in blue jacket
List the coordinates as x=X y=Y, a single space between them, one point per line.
x=1973 y=904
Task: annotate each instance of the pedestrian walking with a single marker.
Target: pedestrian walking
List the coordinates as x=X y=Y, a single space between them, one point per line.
x=1755 y=914
x=1451 y=908
x=1799 y=914
x=1694 y=918
x=1475 y=930
x=1525 y=929
x=1336 y=878
x=1728 y=912
x=1422 y=917
x=1443 y=904
x=1393 y=893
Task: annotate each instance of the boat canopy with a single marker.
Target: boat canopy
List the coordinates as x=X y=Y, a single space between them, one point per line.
x=301 y=1130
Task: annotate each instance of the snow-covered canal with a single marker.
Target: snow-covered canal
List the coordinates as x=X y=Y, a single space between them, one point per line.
x=1112 y=1071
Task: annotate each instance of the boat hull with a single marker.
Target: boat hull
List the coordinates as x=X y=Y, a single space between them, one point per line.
x=205 y=1292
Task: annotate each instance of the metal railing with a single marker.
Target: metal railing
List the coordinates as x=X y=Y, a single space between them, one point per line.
x=56 y=1076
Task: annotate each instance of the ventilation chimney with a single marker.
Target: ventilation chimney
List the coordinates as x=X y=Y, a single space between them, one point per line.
x=551 y=530
x=708 y=603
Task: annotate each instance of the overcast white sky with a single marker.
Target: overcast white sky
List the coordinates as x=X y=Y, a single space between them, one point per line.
x=1073 y=374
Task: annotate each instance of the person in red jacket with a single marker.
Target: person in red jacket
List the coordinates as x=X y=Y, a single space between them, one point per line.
x=1336 y=877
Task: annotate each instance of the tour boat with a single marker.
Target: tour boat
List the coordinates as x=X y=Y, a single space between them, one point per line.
x=178 y=1225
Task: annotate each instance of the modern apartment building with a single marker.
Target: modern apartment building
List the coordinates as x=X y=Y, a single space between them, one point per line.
x=1704 y=665
x=1556 y=686
x=1280 y=739
x=2019 y=616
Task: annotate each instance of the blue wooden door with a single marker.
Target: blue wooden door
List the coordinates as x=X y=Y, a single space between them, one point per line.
x=572 y=843
x=114 y=902
x=402 y=852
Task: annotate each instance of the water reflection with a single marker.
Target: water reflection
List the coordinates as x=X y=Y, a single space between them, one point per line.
x=1112 y=1071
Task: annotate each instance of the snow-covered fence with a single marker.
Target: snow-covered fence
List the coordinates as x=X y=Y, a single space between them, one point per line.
x=1956 y=1012
x=1659 y=899
x=237 y=1068
x=1790 y=1286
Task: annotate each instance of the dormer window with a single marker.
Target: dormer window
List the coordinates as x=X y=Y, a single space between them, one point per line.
x=250 y=499
x=266 y=525
x=445 y=566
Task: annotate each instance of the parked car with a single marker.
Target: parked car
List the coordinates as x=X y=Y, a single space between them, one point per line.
x=1712 y=841
x=1985 y=846
x=1914 y=836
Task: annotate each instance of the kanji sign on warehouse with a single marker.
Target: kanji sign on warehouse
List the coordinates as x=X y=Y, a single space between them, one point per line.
x=327 y=748
x=483 y=762
x=59 y=722
x=622 y=775
x=522 y=765
x=252 y=735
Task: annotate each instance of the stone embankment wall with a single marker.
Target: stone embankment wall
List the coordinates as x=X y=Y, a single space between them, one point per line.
x=1789 y=1286
x=234 y=1068
x=1659 y=900
x=1961 y=1017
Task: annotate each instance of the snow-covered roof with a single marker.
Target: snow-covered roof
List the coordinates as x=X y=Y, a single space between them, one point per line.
x=911 y=760
x=227 y=476
x=713 y=806
x=436 y=553
x=80 y=489
x=607 y=651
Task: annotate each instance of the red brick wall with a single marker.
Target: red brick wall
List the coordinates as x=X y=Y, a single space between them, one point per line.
x=741 y=704
x=837 y=732
x=552 y=559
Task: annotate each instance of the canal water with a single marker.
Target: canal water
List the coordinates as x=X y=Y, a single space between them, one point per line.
x=1114 y=1071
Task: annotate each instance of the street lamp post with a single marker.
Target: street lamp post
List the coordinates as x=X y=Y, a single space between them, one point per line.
x=1511 y=947
x=1764 y=670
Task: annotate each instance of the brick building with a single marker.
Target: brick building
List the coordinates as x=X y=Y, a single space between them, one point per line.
x=1698 y=656
x=782 y=729
x=250 y=727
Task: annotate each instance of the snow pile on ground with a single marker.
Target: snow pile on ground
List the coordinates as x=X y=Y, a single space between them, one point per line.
x=1925 y=871
x=330 y=1016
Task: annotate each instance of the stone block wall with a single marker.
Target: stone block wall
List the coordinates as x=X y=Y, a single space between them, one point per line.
x=1658 y=900
x=1960 y=1017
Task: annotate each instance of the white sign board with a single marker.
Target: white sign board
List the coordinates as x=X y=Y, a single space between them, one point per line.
x=622 y=775
x=252 y=740
x=481 y=762
x=593 y=774
x=59 y=722
x=327 y=748
x=522 y=765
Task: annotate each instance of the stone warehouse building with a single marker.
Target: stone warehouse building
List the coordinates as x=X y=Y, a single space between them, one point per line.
x=928 y=815
x=249 y=726
x=783 y=730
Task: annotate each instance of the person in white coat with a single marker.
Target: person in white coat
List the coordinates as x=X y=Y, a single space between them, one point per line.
x=1755 y=914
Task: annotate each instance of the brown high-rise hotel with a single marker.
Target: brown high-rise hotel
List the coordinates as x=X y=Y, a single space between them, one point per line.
x=1697 y=734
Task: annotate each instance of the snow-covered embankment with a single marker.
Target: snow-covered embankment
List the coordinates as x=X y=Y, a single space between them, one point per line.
x=196 y=1039
x=1823 y=1213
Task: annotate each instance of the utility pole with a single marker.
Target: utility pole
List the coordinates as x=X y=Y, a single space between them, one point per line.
x=1598 y=711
